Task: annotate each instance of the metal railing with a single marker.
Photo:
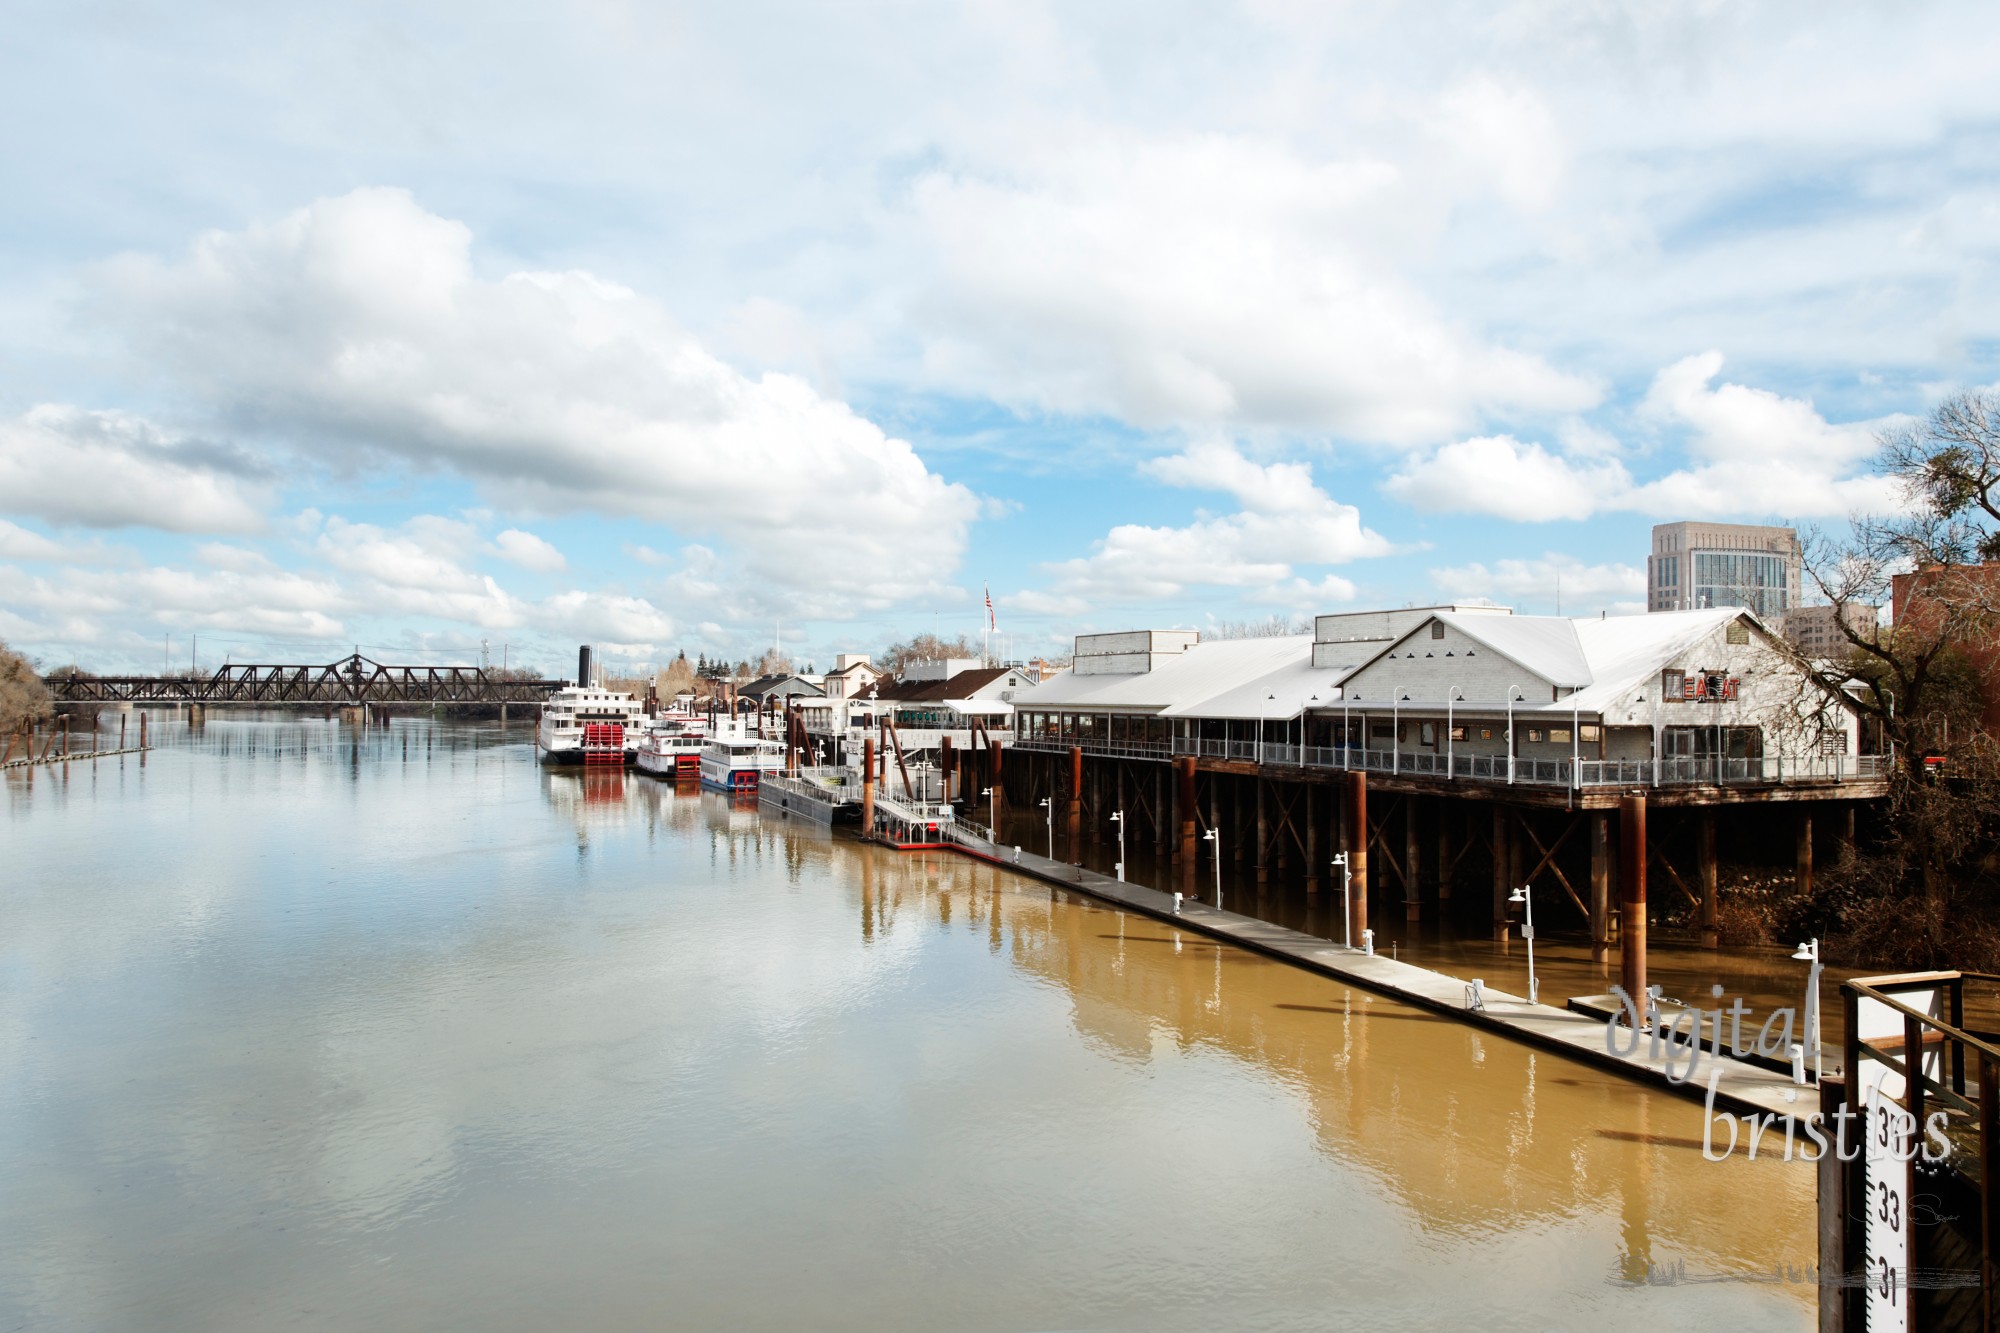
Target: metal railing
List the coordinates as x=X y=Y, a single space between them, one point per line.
x=966 y=830
x=1911 y=1028
x=1672 y=771
x=914 y=812
x=821 y=785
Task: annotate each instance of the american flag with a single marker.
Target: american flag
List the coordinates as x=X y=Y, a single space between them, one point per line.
x=991 y=623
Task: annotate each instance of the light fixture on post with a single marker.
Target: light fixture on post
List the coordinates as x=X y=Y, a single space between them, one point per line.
x=1216 y=838
x=1452 y=694
x=992 y=812
x=1118 y=818
x=1396 y=698
x=1513 y=692
x=1809 y=953
x=1527 y=901
x=1346 y=915
x=1052 y=827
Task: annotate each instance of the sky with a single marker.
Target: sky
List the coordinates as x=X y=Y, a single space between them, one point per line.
x=440 y=329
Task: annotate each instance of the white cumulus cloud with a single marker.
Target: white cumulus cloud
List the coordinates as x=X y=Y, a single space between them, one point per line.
x=1285 y=521
x=1750 y=452
x=1580 y=586
x=1205 y=281
x=116 y=470
x=1499 y=475
x=361 y=326
x=528 y=551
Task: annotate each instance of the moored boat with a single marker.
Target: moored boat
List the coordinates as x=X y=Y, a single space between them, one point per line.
x=734 y=759
x=589 y=724
x=671 y=747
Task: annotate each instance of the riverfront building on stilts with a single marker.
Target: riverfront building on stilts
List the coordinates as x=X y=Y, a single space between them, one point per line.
x=1454 y=753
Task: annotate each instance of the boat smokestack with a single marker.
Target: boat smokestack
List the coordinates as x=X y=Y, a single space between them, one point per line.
x=583 y=665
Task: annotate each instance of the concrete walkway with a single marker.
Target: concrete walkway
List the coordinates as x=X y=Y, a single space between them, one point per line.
x=1741 y=1088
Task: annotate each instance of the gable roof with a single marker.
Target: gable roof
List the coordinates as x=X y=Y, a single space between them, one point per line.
x=961 y=686
x=851 y=667
x=1599 y=660
x=786 y=683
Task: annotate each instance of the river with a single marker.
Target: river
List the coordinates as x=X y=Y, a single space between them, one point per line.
x=303 y=1026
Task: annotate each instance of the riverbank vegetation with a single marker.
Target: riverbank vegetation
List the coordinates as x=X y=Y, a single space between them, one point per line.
x=1921 y=887
x=24 y=700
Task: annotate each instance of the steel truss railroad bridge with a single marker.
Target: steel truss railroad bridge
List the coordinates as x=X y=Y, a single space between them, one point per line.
x=350 y=682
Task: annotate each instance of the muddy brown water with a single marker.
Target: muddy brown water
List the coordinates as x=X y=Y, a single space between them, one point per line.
x=305 y=1027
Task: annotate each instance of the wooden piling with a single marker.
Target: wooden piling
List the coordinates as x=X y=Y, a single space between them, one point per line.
x=1600 y=886
x=1632 y=897
x=1413 y=904
x=1355 y=826
x=944 y=768
x=1075 y=802
x=1802 y=880
x=1185 y=811
x=1502 y=862
x=868 y=787
x=1705 y=876
x=1445 y=864
x=999 y=805
x=1312 y=840
x=1263 y=834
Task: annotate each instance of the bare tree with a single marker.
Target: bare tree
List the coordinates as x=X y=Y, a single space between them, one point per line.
x=677 y=678
x=897 y=657
x=1921 y=680
x=1923 y=684
x=23 y=697
x=1270 y=627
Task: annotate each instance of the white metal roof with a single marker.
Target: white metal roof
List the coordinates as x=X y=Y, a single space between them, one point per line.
x=1234 y=674
x=1274 y=696
x=1545 y=645
x=1599 y=660
x=1625 y=651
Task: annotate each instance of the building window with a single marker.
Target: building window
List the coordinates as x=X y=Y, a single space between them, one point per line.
x=1534 y=733
x=1486 y=733
x=1458 y=733
x=1591 y=732
x=1437 y=629
x=1559 y=734
x=1738 y=632
x=1672 y=683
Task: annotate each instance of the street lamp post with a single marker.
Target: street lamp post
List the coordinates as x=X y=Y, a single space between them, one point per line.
x=1395 y=731
x=1513 y=692
x=1216 y=838
x=1809 y=953
x=1451 y=696
x=1527 y=901
x=1118 y=818
x=1052 y=827
x=1346 y=915
x=992 y=812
